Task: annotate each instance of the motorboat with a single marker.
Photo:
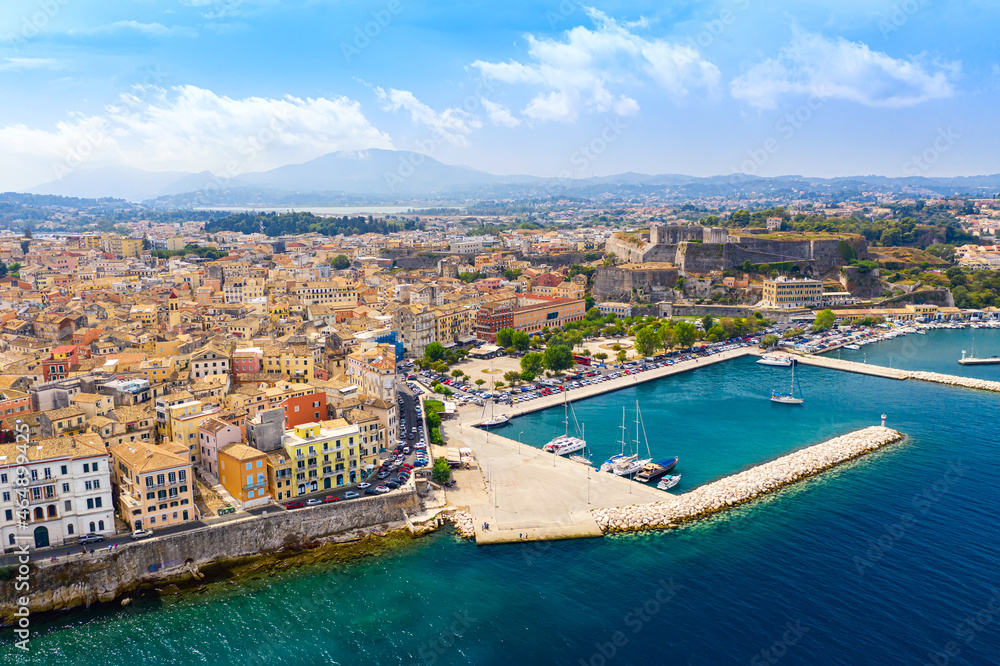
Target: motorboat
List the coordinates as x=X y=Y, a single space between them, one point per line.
x=775 y=360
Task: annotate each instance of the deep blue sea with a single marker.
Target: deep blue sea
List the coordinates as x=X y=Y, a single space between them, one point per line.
x=891 y=559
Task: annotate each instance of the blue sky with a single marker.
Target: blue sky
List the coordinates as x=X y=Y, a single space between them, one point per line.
x=835 y=87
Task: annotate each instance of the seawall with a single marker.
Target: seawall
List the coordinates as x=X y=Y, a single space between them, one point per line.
x=733 y=490
x=105 y=575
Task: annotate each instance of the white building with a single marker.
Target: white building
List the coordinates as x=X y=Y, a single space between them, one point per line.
x=68 y=491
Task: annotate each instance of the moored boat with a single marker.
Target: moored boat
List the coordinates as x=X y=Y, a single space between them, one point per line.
x=668 y=482
x=653 y=471
x=775 y=360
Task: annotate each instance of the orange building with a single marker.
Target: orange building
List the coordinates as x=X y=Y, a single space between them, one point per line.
x=304 y=409
x=538 y=312
x=243 y=472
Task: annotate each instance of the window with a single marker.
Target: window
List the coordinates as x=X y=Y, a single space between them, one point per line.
x=67 y=506
x=152 y=520
x=6 y=497
x=98 y=502
x=182 y=476
x=3 y=477
x=9 y=515
x=69 y=529
x=52 y=510
x=90 y=504
x=65 y=487
x=172 y=477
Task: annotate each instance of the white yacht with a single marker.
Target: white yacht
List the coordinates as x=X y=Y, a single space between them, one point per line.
x=775 y=360
x=629 y=465
x=565 y=444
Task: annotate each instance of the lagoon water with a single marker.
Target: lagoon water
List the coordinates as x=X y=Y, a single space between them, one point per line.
x=891 y=559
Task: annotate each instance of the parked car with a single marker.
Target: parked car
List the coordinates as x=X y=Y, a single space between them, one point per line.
x=364 y=484
x=314 y=501
x=381 y=490
x=295 y=505
x=90 y=538
x=142 y=534
x=371 y=491
x=350 y=494
x=330 y=498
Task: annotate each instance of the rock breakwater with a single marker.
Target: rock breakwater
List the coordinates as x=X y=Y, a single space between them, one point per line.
x=732 y=490
x=952 y=380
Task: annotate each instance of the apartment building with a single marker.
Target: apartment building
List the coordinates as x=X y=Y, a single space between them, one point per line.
x=322 y=458
x=327 y=291
x=243 y=473
x=68 y=491
x=155 y=487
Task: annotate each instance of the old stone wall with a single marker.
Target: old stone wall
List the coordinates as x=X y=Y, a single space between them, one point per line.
x=616 y=283
x=105 y=575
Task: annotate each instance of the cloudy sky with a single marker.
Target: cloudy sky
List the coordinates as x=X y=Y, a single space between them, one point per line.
x=828 y=87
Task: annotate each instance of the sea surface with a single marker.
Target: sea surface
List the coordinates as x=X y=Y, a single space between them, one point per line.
x=890 y=559
x=937 y=351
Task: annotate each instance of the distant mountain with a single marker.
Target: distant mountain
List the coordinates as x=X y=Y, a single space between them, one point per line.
x=393 y=176
x=119 y=182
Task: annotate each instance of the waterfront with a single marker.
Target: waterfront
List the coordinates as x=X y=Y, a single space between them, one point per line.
x=913 y=352
x=877 y=561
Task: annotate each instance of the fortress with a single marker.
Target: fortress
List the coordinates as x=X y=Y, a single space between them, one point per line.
x=697 y=249
x=654 y=261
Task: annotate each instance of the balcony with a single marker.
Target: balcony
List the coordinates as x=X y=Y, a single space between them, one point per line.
x=254 y=485
x=42 y=499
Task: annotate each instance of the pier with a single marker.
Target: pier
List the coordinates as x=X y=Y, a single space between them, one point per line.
x=892 y=373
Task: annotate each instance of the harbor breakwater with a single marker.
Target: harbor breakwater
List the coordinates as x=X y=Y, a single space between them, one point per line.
x=954 y=380
x=745 y=486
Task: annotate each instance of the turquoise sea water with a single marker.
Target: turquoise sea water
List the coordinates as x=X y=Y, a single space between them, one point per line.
x=891 y=559
x=937 y=351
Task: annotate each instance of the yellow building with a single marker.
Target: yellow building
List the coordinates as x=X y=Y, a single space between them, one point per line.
x=157 y=370
x=783 y=292
x=184 y=421
x=294 y=360
x=145 y=313
x=122 y=247
x=243 y=472
x=322 y=458
x=155 y=487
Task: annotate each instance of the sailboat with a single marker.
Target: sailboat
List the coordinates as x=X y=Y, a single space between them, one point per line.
x=788 y=398
x=609 y=464
x=971 y=359
x=632 y=464
x=565 y=444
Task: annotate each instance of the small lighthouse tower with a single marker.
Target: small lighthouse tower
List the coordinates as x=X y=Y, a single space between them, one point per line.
x=883 y=420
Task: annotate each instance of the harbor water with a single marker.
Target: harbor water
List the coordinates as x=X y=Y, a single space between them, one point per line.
x=890 y=559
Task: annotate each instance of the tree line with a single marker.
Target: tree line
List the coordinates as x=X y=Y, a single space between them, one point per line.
x=283 y=224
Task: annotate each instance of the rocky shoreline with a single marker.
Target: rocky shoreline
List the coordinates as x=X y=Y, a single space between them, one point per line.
x=745 y=486
x=953 y=380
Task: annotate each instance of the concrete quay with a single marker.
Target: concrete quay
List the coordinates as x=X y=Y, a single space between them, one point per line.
x=526 y=494
x=851 y=366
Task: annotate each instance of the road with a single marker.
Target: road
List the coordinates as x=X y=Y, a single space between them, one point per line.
x=409 y=417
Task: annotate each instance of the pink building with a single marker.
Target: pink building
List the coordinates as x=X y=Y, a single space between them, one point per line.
x=215 y=434
x=248 y=361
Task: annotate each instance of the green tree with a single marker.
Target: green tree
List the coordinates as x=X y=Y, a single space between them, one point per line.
x=647 y=341
x=527 y=375
x=593 y=314
x=685 y=334
x=520 y=340
x=505 y=337
x=747 y=266
x=622 y=355
x=441 y=472
x=480 y=382
x=434 y=352
x=532 y=362
x=341 y=262
x=512 y=377
x=25 y=244
x=558 y=358
x=601 y=356
x=457 y=373
x=769 y=341
x=146 y=244
x=706 y=322
x=824 y=320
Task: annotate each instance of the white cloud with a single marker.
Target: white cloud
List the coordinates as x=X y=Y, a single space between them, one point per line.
x=839 y=69
x=151 y=29
x=24 y=64
x=224 y=9
x=452 y=124
x=499 y=114
x=577 y=74
x=191 y=129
